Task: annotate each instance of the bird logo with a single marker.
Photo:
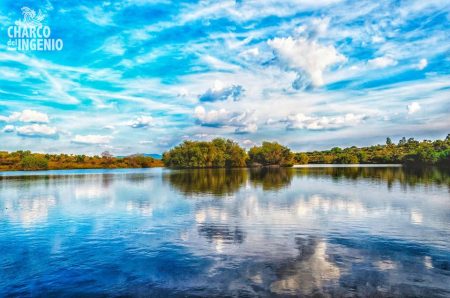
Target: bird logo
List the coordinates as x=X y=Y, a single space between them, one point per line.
x=30 y=18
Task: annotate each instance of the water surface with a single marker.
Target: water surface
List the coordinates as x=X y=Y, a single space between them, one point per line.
x=280 y=232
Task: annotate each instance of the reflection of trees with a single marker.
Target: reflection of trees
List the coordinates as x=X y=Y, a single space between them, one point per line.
x=207 y=181
x=390 y=175
x=214 y=232
x=271 y=178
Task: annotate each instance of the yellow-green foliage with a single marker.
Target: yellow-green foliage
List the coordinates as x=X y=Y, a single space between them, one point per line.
x=219 y=153
x=25 y=160
x=409 y=152
x=271 y=153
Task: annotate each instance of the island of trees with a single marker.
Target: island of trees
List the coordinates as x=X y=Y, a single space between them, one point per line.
x=27 y=161
x=220 y=153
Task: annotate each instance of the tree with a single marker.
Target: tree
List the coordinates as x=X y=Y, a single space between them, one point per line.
x=302 y=158
x=388 y=141
x=34 y=162
x=106 y=154
x=218 y=153
x=271 y=153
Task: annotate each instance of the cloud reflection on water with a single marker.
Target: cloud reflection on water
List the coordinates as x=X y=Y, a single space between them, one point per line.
x=246 y=232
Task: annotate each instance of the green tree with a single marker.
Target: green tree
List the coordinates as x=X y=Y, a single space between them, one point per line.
x=388 y=141
x=302 y=158
x=271 y=153
x=33 y=163
x=218 y=153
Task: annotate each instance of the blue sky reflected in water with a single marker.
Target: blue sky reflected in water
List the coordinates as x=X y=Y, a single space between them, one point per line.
x=360 y=231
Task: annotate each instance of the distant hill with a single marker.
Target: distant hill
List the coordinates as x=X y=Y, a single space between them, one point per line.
x=153 y=155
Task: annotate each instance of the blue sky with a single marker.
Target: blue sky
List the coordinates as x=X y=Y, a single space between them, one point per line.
x=142 y=76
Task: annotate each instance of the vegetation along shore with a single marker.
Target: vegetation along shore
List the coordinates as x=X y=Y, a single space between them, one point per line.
x=225 y=153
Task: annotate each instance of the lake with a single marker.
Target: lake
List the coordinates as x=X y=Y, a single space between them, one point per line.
x=357 y=231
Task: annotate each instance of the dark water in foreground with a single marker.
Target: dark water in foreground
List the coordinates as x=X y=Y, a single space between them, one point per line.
x=302 y=232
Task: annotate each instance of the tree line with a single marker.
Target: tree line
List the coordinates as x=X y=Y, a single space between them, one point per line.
x=409 y=152
x=224 y=153
x=28 y=161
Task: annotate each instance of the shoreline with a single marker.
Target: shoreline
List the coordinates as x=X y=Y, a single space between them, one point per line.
x=6 y=173
x=356 y=165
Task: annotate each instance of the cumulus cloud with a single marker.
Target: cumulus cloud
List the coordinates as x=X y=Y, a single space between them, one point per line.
x=413 y=107
x=306 y=56
x=422 y=64
x=244 y=122
x=142 y=122
x=382 y=62
x=28 y=116
x=8 y=128
x=212 y=117
x=37 y=130
x=91 y=139
x=220 y=92
x=301 y=121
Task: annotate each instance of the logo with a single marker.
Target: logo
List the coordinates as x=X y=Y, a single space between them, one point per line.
x=30 y=34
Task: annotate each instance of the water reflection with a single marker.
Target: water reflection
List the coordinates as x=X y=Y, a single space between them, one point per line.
x=207 y=181
x=221 y=182
x=309 y=272
x=403 y=176
x=271 y=178
x=279 y=232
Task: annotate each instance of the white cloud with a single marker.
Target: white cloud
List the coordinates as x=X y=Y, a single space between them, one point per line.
x=377 y=39
x=422 y=64
x=211 y=118
x=29 y=116
x=145 y=142
x=99 y=16
x=307 y=56
x=219 y=64
x=319 y=26
x=92 y=139
x=249 y=53
x=37 y=130
x=8 y=128
x=382 y=62
x=221 y=92
x=301 y=121
x=142 y=122
x=247 y=128
x=413 y=107
x=244 y=122
x=114 y=45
